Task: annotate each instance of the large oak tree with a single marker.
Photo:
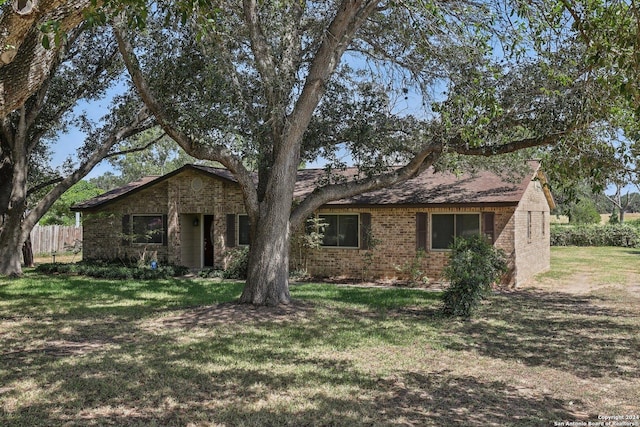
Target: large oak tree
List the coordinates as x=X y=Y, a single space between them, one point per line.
x=25 y=61
x=85 y=67
x=394 y=87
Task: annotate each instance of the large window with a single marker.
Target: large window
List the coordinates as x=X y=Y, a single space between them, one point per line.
x=243 y=230
x=147 y=229
x=340 y=230
x=445 y=227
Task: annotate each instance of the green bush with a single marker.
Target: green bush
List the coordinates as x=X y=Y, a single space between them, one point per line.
x=633 y=222
x=210 y=273
x=584 y=212
x=473 y=266
x=622 y=235
x=237 y=264
x=111 y=270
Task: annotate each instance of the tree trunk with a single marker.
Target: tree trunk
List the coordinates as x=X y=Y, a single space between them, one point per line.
x=268 y=269
x=10 y=244
x=27 y=253
x=24 y=62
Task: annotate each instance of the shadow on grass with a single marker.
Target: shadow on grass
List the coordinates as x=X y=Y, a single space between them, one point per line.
x=73 y=296
x=260 y=374
x=369 y=298
x=236 y=365
x=567 y=332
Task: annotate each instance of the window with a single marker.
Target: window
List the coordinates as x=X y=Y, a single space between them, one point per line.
x=147 y=229
x=340 y=230
x=243 y=230
x=529 y=225
x=444 y=227
x=237 y=230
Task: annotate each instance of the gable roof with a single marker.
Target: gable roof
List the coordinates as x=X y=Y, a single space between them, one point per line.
x=146 y=182
x=430 y=187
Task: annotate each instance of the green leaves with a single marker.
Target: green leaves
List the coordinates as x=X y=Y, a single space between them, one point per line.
x=473 y=266
x=52 y=28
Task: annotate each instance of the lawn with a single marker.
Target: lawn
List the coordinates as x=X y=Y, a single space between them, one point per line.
x=77 y=351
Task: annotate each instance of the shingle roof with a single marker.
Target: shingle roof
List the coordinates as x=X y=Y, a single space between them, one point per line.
x=433 y=188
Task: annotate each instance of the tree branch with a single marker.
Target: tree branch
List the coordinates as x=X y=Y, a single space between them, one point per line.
x=509 y=147
x=24 y=62
x=136 y=149
x=140 y=123
x=217 y=152
x=322 y=195
x=44 y=185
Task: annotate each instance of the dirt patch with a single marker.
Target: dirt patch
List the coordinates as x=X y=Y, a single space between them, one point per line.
x=232 y=312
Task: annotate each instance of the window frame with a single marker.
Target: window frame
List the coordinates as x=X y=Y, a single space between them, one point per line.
x=161 y=231
x=358 y=230
x=478 y=215
x=238 y=231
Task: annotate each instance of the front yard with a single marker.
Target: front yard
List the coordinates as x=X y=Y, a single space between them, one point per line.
x=76 y=351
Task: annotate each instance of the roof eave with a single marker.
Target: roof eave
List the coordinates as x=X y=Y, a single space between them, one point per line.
x=155 y=181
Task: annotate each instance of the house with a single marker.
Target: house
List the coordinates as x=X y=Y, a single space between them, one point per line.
x=193 y=215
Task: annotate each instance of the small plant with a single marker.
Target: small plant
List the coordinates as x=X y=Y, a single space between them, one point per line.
x=413 y=269
x=210 y=273
x=304 y=241
x=474 y=265
x=369 y=255
x=237 y=263
x=614 y=218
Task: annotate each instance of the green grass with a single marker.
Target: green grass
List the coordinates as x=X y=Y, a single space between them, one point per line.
x=77 y=351
x=606 y=264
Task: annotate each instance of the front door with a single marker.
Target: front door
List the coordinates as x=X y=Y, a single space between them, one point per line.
x=208 y=240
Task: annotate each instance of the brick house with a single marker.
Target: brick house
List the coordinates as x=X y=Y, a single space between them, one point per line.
x=193 y=215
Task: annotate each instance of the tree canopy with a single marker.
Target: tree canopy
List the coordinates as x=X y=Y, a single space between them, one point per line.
x=391 y=87
x=160 y=155
x=29 y=186
x=60 y=212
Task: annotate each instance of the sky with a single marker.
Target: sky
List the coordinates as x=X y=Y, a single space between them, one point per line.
x=68 y=143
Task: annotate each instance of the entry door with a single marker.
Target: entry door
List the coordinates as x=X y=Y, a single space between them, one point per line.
x=208 y=241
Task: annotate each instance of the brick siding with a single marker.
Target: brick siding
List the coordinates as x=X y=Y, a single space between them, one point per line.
x=395 y=229
x=526 y=244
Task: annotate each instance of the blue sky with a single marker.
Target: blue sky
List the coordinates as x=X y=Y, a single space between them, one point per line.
x=68 y=143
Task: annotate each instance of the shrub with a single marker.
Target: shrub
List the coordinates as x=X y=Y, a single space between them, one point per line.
x=211 y=273
x=238 y=261
x=413 y=270
x=473 y=266
x=584 y=212
x=117 y=271
x=622 y=235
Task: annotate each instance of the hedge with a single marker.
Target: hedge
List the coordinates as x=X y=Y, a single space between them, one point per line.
x=622 y=235
x=104 y=270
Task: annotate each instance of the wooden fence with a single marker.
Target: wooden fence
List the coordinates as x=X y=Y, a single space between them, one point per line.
x=55 y=238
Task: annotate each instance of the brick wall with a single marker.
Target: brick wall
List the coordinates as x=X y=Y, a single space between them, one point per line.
x=522 y=235
x=102 y=231
x=182 y=201
x=395 y=229
x=532 y=242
